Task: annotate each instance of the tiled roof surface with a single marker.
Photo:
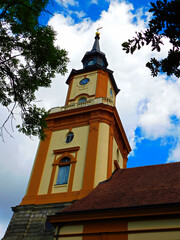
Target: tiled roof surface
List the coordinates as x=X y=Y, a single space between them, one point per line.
x=134 y=187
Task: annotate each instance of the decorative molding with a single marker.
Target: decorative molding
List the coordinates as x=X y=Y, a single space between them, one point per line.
x=93 y=127
x=135 y=213
x=64 y=164
x=120 y=232
x=70 y=129
x=64 y=150
x=80 y=95
x=83 y=116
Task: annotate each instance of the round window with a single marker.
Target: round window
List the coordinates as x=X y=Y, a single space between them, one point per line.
x=84 y=81
x=69 y=137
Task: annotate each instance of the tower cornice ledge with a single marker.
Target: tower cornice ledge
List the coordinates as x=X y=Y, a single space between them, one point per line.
x=90 y=102
x=83 y=115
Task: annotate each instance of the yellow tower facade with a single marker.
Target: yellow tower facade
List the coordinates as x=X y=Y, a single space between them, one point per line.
x=85 y=142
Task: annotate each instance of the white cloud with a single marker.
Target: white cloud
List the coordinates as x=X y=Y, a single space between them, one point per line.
x=175 y=153
x=143 y=101
x=80 y=14
x=94 y=2
x=67 y=3
x=147 y=102
x=164 y=102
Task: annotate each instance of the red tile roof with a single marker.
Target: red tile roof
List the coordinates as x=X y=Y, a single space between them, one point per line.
x=134 y=187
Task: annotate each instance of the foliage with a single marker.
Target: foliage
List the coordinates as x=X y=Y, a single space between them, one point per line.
x=165 y=23
x=28 y=60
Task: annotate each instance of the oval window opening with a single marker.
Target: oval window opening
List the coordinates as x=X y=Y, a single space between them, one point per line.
x=69 y=137
x=84 y=81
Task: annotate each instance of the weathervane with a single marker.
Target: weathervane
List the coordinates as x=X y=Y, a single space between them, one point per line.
x=99 y=28
x=98 y=33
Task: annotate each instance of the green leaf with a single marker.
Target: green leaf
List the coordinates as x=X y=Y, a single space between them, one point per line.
x=29 y=59
x=165 y=23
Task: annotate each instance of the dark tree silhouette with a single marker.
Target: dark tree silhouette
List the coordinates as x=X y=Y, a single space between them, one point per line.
x=165 y=23
x=28 y=60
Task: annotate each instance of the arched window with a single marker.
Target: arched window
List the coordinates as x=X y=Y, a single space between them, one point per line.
x=69 y=137
x=63 y=174
x=83 y=99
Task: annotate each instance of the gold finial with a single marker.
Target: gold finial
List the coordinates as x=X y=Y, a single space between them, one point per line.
x=98 y=33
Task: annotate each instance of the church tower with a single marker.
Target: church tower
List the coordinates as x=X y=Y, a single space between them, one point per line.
x=85 y=142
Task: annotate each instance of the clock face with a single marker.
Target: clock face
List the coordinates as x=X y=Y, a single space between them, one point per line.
x=84 y=81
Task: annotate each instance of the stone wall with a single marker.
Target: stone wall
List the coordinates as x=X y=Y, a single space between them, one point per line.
x=29 y=222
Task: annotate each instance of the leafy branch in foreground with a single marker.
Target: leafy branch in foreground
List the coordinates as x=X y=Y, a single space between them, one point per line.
x=164 y=23
x=28 y=60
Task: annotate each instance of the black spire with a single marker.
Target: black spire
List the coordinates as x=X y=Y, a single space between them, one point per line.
x=96 y=47
x=95 y=56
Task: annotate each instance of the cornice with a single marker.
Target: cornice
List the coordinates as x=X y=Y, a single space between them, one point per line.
x=72 y=149
x=156 y=211
x=84 y=115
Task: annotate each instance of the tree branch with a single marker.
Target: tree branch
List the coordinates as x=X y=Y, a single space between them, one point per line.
x=3 y=125
x=2 y=62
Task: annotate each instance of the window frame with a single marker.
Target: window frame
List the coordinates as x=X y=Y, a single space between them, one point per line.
x=84 y=81
x=61 y=165
x=58 y=155
x=58 y=163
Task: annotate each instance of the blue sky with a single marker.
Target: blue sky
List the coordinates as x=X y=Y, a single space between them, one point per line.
x=91 y=9
x=148 y=107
